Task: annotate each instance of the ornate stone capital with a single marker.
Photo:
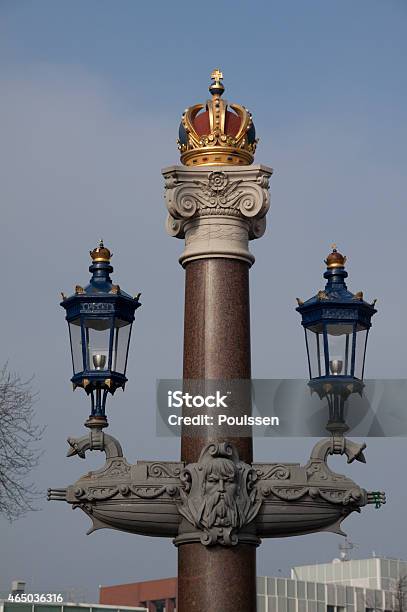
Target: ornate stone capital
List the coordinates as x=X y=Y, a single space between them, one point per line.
x=217 y=210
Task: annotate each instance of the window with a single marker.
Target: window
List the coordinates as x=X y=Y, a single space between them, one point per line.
x=311 y=591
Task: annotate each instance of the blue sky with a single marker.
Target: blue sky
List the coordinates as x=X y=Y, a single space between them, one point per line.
x=306 y=57
x=91 y=97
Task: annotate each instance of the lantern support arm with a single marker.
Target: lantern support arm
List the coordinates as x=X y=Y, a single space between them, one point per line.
x=95 y=440
x=339 y=445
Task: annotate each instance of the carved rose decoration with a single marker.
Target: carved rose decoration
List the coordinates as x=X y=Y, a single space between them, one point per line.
x=218 y=181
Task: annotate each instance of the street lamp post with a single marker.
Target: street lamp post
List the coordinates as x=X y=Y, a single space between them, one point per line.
x=215 y=503
x=336 y=324
x=100 y=317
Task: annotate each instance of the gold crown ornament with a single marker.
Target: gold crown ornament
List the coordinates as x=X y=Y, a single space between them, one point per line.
x=101 y=253
x=335 y=259
x=217 y=133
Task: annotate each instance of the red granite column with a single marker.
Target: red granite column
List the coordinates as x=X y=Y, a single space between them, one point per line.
x=216 y=336
x=217 y=346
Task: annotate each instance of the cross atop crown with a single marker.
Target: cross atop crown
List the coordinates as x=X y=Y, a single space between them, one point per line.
x=217 y=75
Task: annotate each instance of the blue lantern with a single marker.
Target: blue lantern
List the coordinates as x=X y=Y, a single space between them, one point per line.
x=100 y=318
x=336 y=324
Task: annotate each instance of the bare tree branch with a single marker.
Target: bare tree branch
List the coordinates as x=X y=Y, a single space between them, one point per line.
x=19 y=436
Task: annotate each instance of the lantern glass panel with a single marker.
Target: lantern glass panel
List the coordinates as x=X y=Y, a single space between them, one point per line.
x=75 y=333
x=315 y=347
x=121 y=337
x=361 y=339
x=97 y=336
x=340 y=340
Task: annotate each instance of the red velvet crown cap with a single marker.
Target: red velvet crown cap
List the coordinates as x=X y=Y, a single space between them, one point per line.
x=202 y=127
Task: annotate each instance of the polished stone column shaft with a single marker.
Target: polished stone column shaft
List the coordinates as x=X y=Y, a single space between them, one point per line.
x=216 y=345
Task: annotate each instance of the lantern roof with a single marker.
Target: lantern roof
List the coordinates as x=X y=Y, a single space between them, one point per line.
x=100 y=287
x=335 y=300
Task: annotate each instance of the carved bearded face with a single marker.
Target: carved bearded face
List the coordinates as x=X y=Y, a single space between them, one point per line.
x=220 y=488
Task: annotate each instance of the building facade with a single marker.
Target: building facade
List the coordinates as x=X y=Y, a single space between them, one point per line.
x=375 y=573
x=292 y=595
x=155 y=595
x=357 y=585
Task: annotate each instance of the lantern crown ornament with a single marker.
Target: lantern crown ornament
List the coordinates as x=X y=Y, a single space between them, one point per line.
x=100 y=317
x=336 y=323
x=217 y=133
x=335 y=259
x=101 y=253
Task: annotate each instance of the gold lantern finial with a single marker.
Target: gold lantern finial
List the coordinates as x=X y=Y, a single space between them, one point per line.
x=101 y=253
x=335 y=259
